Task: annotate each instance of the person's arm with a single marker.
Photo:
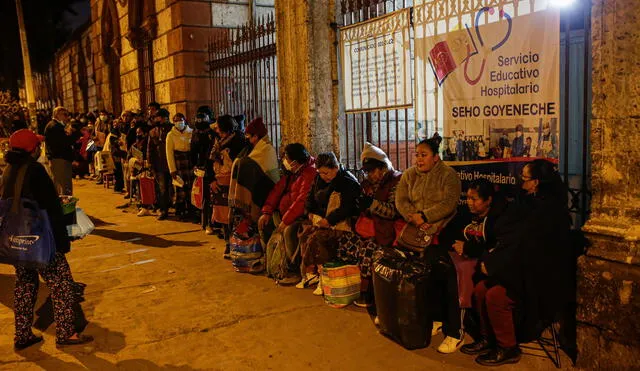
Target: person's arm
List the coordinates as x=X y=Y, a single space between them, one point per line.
x=171 y=161
x=273 y=200
x=403 y=202
x=296 y=209
x=386 y=209
x=347 y=208
x=452 y=189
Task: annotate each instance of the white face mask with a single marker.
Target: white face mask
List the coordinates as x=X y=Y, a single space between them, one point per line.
x=180 y=125
x=287 y=165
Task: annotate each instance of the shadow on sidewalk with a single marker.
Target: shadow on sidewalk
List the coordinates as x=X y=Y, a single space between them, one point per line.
x=143 y=239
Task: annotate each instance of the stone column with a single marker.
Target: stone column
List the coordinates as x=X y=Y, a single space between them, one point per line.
x=306 y=72
x=609 y=274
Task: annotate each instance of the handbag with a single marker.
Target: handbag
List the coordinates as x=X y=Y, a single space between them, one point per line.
x=147 y=190
x=197 y=192
x=221 y=198
x=414 y=238
x=26 y=237
x=365 y=227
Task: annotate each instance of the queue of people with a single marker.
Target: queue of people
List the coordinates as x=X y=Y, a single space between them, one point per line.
x=518 y=250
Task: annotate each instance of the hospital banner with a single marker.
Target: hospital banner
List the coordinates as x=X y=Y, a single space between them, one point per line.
x=376 y=63
x=498 y=81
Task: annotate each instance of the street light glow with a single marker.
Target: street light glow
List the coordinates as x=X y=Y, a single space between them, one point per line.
x=561 y=3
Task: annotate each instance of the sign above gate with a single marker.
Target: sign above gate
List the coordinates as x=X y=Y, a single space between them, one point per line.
x=376 y=63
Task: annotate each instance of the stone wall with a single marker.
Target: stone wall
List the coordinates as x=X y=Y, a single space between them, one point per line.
x=609 y=274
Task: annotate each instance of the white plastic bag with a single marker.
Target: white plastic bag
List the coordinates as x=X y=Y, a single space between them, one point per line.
x=83 y=227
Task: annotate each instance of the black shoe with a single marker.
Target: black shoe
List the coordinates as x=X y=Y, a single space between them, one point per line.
x=500 y=356
x=227 y=253
x=480 y=347
x=163 y=216
x=365 y=300
x=32 y=340
x=82 y=339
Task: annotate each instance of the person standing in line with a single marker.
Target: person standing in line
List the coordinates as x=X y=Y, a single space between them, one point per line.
x=59 y=144
x=201 y=144
x=178 y=148
x=38 y=186
x=157 y=160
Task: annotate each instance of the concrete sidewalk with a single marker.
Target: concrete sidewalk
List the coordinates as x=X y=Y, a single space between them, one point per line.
x=160 y=296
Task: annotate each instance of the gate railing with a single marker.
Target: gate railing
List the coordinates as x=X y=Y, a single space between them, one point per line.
x=397 y=131
x=243 y=73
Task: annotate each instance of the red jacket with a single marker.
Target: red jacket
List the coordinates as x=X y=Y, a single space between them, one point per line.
x=290 y=194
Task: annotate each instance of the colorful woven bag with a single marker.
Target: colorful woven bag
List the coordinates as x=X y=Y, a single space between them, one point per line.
x=340 y=284
x=247 y=255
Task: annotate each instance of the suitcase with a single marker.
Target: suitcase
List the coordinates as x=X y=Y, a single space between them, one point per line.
x=400 y=290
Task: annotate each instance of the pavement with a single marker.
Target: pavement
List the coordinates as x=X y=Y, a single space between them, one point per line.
x=159 y=296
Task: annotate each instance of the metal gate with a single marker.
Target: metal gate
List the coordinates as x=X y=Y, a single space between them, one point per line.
x=243 y=73
x=397 y=131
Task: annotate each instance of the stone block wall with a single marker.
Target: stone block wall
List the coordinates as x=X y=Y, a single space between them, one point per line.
x=609 y=274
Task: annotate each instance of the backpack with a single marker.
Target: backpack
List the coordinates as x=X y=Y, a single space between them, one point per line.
x=277 y=262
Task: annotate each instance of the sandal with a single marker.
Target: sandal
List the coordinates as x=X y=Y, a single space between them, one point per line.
x=82 y=339
x=32 y=340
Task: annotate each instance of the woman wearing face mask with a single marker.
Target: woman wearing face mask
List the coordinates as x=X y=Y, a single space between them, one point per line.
x=284 y=208
x=330 y=207
x=427 y=197
x=179 y=161
x=527 y=274
x=37 y=186
x=201 y=144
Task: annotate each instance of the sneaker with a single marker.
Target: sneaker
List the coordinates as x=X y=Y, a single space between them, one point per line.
x=500 y=356
x=450 y=345
x=376 y=321
x=208 y=231
x=364 y=301
x=144 y=212
x=480 y=347
x=309 y=280
x=163 y=216
x=437 y=328
x=318 y=291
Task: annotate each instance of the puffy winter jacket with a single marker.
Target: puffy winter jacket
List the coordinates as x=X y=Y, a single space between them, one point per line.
x=290 y=194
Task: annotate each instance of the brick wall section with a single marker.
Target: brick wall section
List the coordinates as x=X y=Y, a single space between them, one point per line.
x=609 y=275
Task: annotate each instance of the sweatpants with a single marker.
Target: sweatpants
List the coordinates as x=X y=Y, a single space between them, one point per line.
x=496 y=314
x=444 y=303
x=57 y=277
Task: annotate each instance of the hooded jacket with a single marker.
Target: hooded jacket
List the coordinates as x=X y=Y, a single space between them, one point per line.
x=177 y=141
x=318 y=200
x=39 y=187
x=290 y=193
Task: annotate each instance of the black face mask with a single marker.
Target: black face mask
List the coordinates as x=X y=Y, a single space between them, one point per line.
x=202 y=125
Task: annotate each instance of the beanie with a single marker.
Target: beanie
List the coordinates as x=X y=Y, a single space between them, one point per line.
x=372 y=152
x=256 y=127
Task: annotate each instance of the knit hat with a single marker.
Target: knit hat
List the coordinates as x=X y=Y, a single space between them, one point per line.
x=256 y=127
x=372 y=152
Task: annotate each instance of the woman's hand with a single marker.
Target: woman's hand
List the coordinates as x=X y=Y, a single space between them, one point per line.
x=214 y=187
x=416 y=219
x=459 y=247
x=483 y=269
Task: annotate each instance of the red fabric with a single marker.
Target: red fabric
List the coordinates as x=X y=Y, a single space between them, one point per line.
x=365 y=227
x=197 y=192
x=291 y=202
x=25 y=139
x=465 y=268
x=147 y=190
x=496 y=314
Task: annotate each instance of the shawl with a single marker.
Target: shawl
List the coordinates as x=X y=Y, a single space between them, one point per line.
x=252 y=178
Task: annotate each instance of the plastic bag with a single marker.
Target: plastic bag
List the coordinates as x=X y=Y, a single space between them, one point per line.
x=83 y=227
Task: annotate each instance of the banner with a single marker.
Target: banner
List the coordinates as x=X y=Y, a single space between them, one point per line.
x=376 y=63
x=499 y=91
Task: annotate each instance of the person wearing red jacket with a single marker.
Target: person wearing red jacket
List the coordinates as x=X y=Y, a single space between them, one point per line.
x=284 y=208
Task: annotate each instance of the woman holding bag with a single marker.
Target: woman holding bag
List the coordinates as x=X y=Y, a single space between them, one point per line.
x=427 y=198
x=37 y=186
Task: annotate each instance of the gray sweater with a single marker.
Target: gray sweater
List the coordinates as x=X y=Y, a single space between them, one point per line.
x=436 y=193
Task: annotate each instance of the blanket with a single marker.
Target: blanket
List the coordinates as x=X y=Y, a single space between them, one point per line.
x=252 y=178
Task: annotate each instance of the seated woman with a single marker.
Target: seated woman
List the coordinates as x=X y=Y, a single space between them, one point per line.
x=330 y=207
x=375 y=228
x=427 y=197
x=526 y=275
x=283 y=212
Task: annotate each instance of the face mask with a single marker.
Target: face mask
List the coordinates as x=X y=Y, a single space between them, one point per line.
x=103 y=118
x=287 y=164
x=202 y=125
x=180 y=125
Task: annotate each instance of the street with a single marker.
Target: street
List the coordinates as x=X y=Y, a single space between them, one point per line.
x=160 y=296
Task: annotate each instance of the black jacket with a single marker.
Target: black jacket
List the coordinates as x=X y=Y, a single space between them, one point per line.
x=201 y=144
x=318 y=200
x=39 y=187
x=532 y=260
x=59 y=144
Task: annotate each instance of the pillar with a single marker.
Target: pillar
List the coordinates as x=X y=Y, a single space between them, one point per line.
x=609 y=274
x=307 y=73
